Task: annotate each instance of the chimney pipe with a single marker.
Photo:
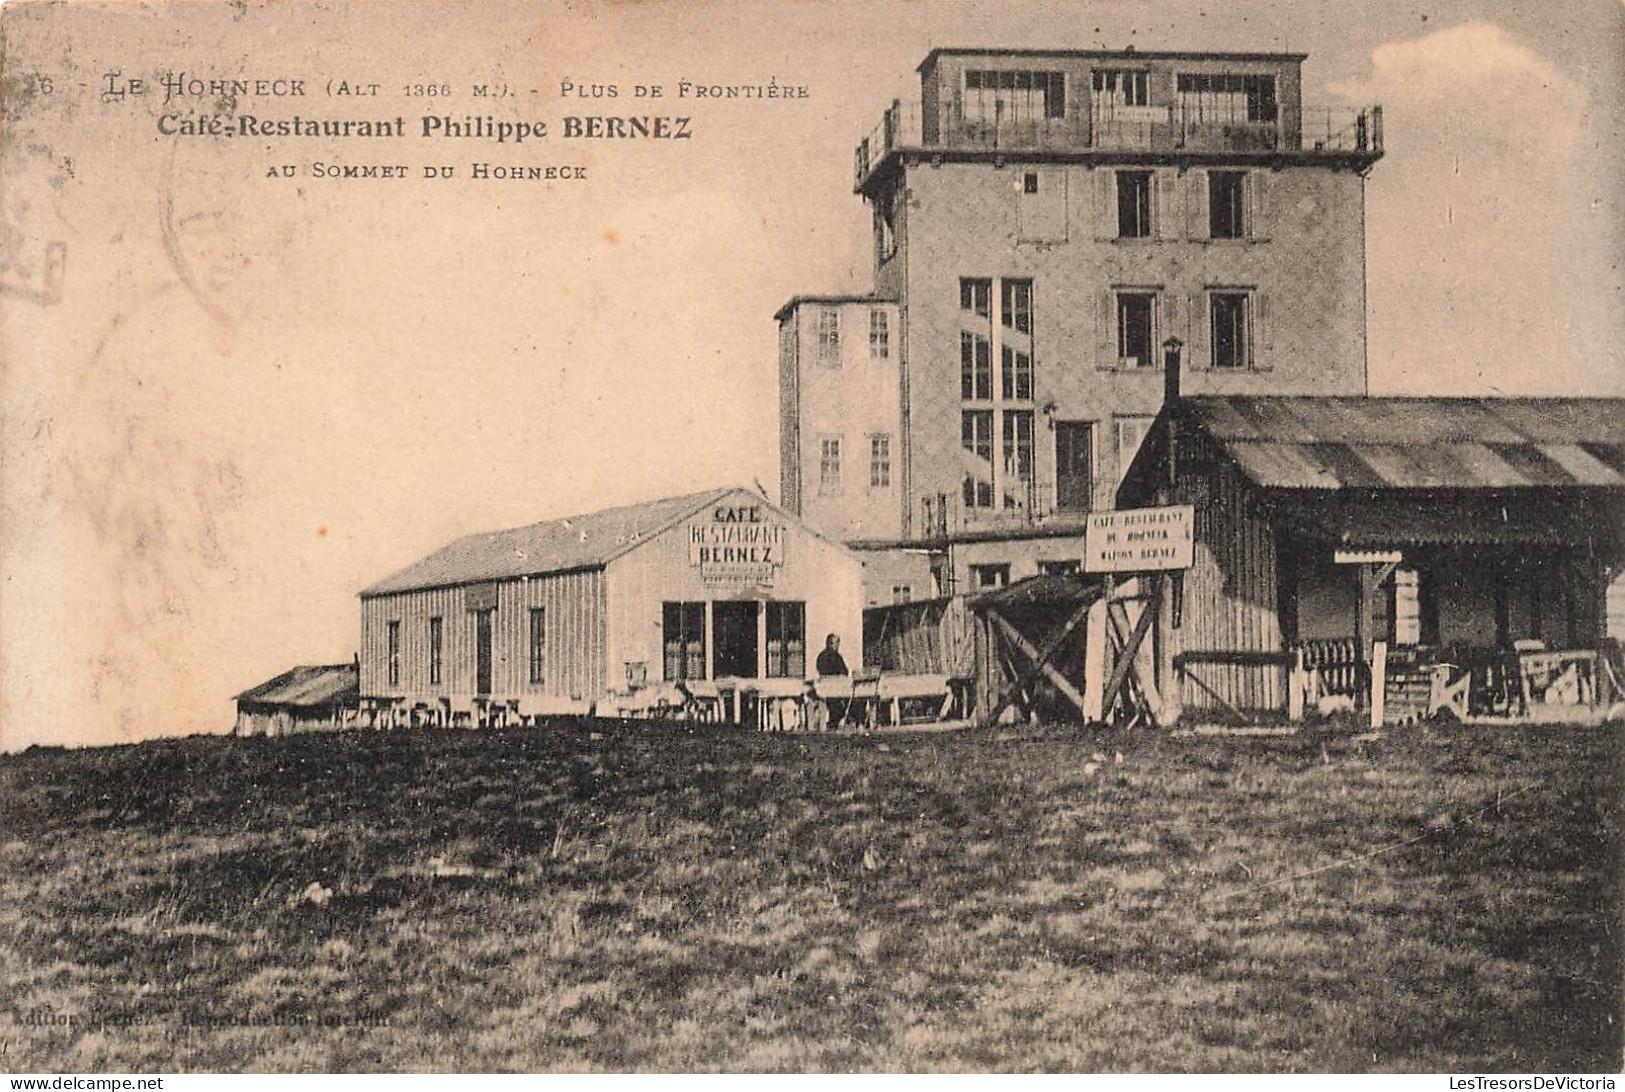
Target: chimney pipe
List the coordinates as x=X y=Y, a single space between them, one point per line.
x=1170 y=409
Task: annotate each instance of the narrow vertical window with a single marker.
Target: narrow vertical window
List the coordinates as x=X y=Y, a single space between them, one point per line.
x=976 y=295
x=880 y=461
x=786 y=640
x=976 y=436
x=1227 y=204
x=1018 y=456
x=1016 y=298
x=1230 y=341
x=1133 y=204
x=975 y=367
x=829 y=464
x=879 y=334
x=683 y=639
x=1136 y=329
x=829 y=338
x=434 y=651
x=538 y=644
x=394 y=654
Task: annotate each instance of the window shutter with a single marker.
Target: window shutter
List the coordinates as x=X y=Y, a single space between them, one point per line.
x=1105 y=204
x=1105 y=332
x=1197 y=353
x=1263 y=333
x=1165 y=214
x=1258 y=205
x=1196 y=216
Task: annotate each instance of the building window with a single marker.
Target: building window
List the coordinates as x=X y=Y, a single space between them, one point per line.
x=1074 y=465
x=976 y=295
x=994 y=96
x=394 y=654
x=1122 y=88
x=1136 y=329
x=1227 y=204
x=829 y=338
x=975 y=368
x=538 y=643
x=879 y=333
x=976 y=436
x=880 y=461
x=1226 y=98
x=435 y=647
x=1016 y=299
x=829 y=464
x=1133 y=204
x=1058 y=568
x=1017 y=375
x=1131 y=433
x=902 y=593
x=989 y=576
x=683 y=637
x=1018 y=456
x=786 y=640
x=1230 y=330
x=1029 y=182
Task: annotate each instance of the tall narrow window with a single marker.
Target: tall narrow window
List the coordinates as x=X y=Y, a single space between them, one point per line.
x=1018 y=457
x=786 y=640
x=880 y=461
x=1131 y=433
x=829 y=338
x=1231 y=348
x=829 y=464
x=538 y=644
x=435 y=647
x=1016 y=299
x=1016 y=375
x=879 y=334
x=1133 y=204
x=394 y=654
x=1136 y=329
x=976 y=295
x=1121 y=88
x=683 y=638
x=976 y=436
x=1227 y=204
x=975 y=367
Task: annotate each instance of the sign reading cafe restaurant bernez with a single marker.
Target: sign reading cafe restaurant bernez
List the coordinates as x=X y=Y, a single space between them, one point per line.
x=738 y=543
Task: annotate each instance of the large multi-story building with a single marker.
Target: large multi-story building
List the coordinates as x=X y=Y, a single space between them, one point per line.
x=1044 y=223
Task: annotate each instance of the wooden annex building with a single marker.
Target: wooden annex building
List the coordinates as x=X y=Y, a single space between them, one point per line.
x=301 y=699
x=716 y=595
x=1468 y=544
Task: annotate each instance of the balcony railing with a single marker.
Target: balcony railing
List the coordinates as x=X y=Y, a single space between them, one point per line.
x=1182 y=127
x=1029 y=503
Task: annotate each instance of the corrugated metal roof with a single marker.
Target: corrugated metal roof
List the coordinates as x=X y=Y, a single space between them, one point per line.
x=1419 y=443
x=307 y=686
x=559 y=545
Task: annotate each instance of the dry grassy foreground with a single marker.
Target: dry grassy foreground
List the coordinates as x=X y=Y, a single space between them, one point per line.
x=648 y=898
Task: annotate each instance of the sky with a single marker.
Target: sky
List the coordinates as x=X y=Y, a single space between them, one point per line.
x=232 y=401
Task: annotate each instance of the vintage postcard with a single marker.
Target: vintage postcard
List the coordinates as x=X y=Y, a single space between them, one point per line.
x=810 y=536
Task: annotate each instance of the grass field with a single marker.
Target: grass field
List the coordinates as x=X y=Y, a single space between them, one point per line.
x=652 y=898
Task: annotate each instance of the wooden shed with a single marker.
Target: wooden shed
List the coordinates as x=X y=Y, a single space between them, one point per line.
x=302 y=699
x=1483 y=536
x=705 y=592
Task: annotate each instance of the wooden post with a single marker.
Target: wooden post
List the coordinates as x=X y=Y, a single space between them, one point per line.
x=1094 y=662
x=1295 y=685
x=1379 y=681
x=1168 y=680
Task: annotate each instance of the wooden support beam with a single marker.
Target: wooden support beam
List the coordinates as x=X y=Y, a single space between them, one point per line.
x=1025 y=647
x=1045 y=654
x=1126 y=660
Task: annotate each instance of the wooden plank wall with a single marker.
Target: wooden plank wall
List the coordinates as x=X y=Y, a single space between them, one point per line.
x=574 y=658
x=1231 y=589
x=928 y=637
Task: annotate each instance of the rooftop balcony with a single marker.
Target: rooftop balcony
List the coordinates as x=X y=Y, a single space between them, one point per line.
x=1183 y=128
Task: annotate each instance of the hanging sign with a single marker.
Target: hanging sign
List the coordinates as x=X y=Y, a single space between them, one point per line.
x=1139 y=540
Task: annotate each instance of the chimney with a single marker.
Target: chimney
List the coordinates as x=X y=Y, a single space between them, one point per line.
x=1170 y=414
